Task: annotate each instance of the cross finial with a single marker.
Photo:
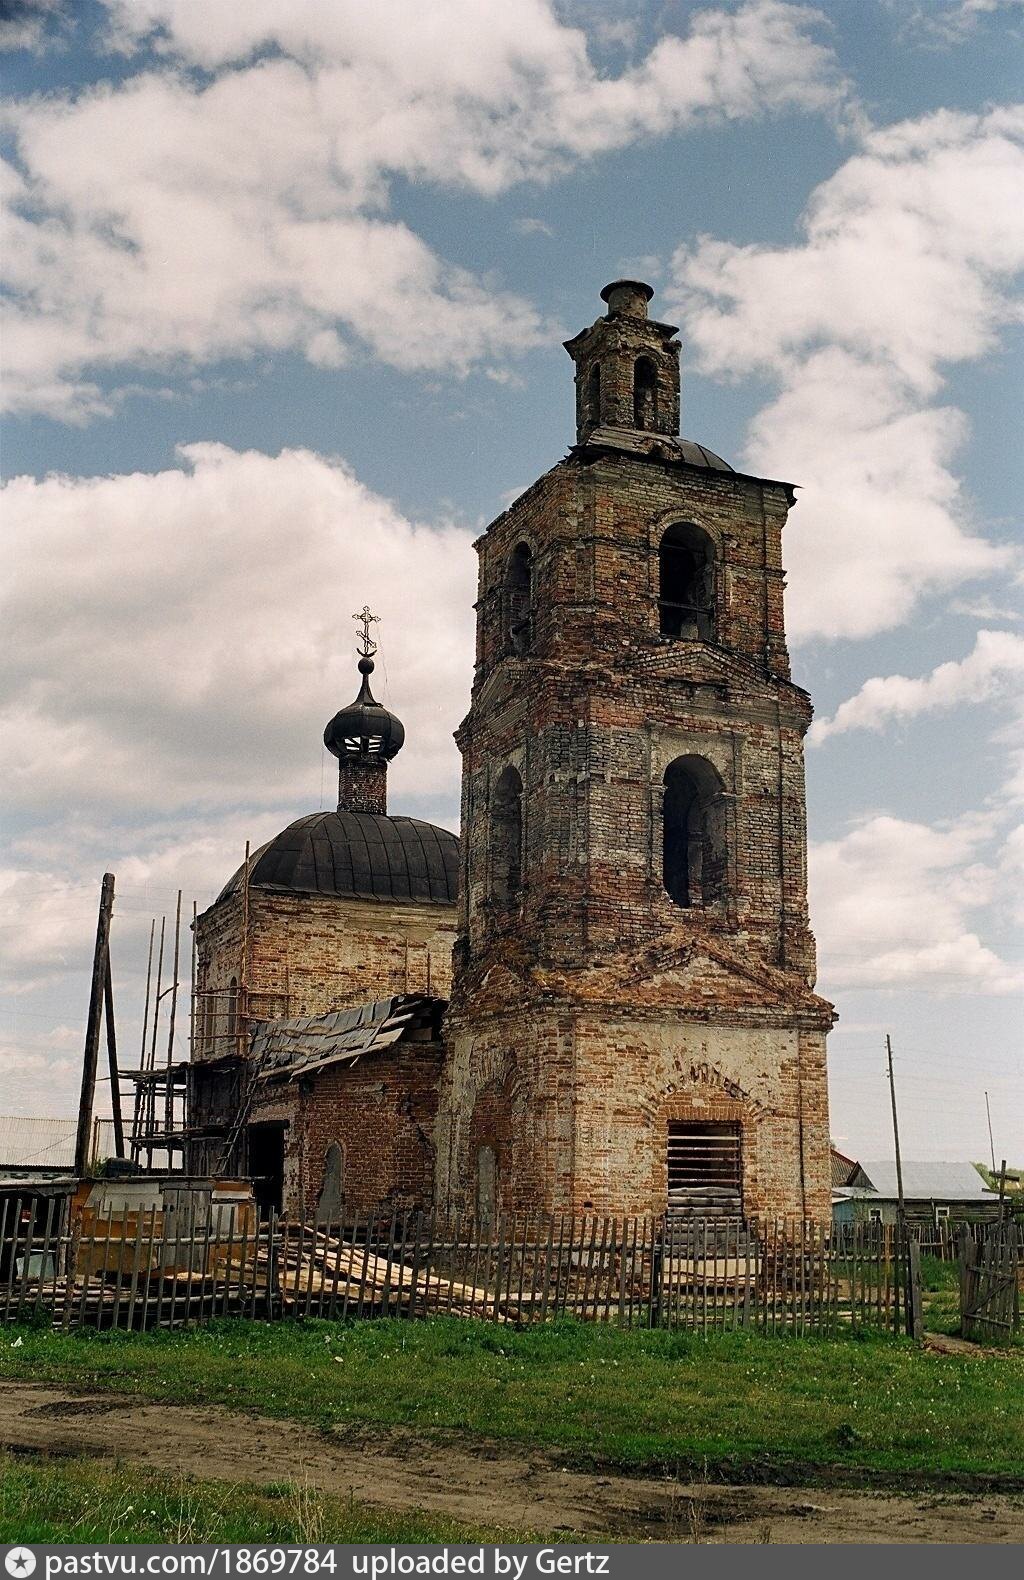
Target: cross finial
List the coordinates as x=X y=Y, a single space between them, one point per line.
x=366 y=619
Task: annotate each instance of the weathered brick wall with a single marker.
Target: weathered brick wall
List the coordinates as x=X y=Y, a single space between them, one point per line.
x=577 y=1109
x=593 y=715
x=309 y=954
x=381 y=1112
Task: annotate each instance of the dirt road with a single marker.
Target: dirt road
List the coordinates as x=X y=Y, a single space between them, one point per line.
x=486 y=1483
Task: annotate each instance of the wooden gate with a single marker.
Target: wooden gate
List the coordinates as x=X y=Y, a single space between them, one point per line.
x=989 y=1283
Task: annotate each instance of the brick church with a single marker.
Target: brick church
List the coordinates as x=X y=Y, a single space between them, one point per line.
x=602 y=998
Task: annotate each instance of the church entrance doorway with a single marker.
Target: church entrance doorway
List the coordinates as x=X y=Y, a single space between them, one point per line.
x=705 y=1178
x=266 y=1165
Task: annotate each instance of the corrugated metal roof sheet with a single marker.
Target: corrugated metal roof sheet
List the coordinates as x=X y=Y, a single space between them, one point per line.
x=48 y=1143
x=288 y=1049
x=927 y=1181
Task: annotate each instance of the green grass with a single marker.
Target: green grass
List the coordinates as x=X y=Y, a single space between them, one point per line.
x=940 y=1295
x=737 y=1403
x=84 y=1501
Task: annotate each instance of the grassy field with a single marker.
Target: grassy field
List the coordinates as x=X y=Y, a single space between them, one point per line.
x=84 y=1501
x=734 y=1404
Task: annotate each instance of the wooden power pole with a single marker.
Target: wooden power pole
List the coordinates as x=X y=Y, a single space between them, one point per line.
x=991 y=1143
x=895 y=1130
x=115 y=1079
x=100 y=960
x=914 y=1322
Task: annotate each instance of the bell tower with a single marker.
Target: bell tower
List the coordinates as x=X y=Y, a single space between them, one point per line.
x=627 y=367
x=633 y=1022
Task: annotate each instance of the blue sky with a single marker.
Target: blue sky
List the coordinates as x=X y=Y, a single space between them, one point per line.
x=286 y=291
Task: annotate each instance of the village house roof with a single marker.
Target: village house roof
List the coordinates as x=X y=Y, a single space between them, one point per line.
x=921 y=1182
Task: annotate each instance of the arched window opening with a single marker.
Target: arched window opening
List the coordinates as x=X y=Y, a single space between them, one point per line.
x=686 y=594
x=507 y=839
x=486 y=1186
x=519 y=599
x=694 y=848
x=645 y=393
x=594 y=396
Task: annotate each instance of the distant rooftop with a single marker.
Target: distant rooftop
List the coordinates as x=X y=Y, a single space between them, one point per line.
x=923 y=1182
x=27 y=1143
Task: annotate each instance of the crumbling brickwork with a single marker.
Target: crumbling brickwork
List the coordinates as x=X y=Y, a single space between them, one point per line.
x=309 y=954
x=381 y=1112
x=588 y=996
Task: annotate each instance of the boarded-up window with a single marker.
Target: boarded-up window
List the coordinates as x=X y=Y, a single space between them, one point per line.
x=704 y=1168
x=331 y=1199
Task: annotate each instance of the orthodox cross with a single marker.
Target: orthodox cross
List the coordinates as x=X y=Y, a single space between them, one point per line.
x=366 y=619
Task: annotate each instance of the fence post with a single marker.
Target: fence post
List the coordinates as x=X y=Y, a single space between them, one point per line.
x=915 y=1318
x=657 y=1253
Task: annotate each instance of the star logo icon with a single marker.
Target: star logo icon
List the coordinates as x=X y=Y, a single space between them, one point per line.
x=20 y=1562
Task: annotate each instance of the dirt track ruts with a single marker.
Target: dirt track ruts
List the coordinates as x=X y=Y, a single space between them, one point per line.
x=482 y=1482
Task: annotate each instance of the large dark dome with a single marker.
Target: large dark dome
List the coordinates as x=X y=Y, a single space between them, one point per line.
x=358 y=853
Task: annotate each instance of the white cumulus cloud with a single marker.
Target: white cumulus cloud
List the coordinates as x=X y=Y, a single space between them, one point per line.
x=994 y=664
x=907 y=265
x=893 y=903
x=180 y=218
x=181 y=638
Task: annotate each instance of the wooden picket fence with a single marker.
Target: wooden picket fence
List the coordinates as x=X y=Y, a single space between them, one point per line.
x=702 y=1276
x=991 y=1268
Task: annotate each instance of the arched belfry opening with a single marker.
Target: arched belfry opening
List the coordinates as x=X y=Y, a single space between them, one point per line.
x=686 y=583
x=518 y=592
x=507 y=839
x=645 y=394
x=694 y=851
x=593 y=406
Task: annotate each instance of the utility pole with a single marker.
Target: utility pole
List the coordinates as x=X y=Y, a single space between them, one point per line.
x=895 y=1130
x=914 y=1324
x=991 y=1143
x=115 y=1080
x=92 y=1027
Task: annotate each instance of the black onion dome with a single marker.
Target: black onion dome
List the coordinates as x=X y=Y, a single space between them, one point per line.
x=362 y=854
x=365 y=730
